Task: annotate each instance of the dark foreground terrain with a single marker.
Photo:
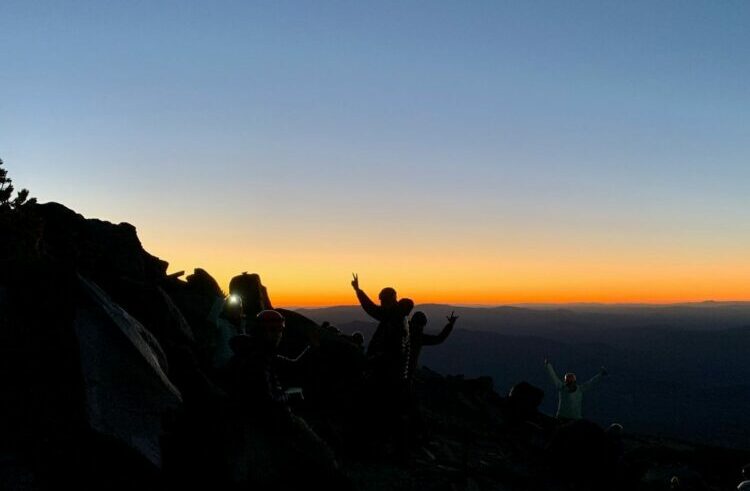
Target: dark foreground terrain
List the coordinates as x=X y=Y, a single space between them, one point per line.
x=107 y=384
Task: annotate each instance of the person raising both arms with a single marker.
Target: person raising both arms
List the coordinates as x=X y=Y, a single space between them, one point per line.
x=570 y=393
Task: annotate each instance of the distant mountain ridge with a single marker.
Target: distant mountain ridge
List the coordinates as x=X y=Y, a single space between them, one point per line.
x=678 y=370
x=519 y=320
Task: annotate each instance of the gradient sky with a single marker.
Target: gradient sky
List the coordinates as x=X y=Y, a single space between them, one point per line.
x=462 y=152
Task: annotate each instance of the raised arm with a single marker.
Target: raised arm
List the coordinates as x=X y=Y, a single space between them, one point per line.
x=431 y=339
x=594 y=380
x=372 y=309
x=552 y=374
x=295 y=359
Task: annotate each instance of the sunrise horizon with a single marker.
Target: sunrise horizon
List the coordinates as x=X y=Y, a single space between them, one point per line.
x=481 y=154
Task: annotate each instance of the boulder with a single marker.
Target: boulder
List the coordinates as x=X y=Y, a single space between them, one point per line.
x=523 y=401
x=254 y=294
x=127 y=391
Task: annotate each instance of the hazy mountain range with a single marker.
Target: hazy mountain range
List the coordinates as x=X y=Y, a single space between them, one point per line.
x=679 y=370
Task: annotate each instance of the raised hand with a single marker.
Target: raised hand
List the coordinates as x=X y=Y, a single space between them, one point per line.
x=355 y=281
x=452 y=318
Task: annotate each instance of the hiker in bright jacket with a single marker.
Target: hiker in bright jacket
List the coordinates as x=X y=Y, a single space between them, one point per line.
x=570 y=400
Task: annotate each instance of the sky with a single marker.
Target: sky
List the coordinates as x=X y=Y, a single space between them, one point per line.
x=461 y=152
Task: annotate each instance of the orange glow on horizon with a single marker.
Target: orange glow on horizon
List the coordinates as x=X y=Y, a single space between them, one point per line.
x=282 y=299
x=308 y=290
x=316 y=272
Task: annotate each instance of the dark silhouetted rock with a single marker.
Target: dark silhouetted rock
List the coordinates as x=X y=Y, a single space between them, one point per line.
x=96 y=248
x=253 y=293
x=203 y=284
x=523 y=401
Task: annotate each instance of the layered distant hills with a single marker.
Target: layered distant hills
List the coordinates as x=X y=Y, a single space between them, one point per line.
x=678 y=370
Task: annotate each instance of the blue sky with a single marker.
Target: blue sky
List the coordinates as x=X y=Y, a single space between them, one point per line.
x=525 y=127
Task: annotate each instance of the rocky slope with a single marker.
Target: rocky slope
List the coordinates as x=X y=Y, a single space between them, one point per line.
x=108 y=383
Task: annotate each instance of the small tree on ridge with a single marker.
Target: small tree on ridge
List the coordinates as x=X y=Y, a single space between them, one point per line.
x=6 y=193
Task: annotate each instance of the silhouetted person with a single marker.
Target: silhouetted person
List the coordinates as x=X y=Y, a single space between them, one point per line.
x=388 y=358
x=278 y=449
x=359 y=340
x=570 y=399
x=326 y=326
x=228 y=318
x=388 y=349
x=418 y=338
x=414 y=424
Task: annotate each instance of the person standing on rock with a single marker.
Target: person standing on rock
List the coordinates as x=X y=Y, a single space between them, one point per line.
x=388 y=359
x=388 y=349
x=418 y=338
x=570 y=393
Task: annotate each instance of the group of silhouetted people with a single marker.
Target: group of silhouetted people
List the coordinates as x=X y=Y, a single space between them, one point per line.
x=272 y=447
x=273 y=439
x=392 y=357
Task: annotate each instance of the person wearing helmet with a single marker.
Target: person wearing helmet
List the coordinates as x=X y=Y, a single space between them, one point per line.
x=570 y=392
x=418 y=338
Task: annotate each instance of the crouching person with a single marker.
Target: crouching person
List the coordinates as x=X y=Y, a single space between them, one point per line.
x=275 y=449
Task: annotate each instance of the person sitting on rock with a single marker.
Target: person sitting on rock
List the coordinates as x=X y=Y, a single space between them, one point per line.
x=277 y=447
x=418 y=338
x=570 y=400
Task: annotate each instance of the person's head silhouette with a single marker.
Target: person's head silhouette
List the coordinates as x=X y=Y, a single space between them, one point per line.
x=418 y=321
x=269 y=326
x=570 y=382
x=358 y=338
x=388 y=297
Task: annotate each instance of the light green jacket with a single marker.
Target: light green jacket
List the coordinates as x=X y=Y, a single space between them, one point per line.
x=570 y=403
